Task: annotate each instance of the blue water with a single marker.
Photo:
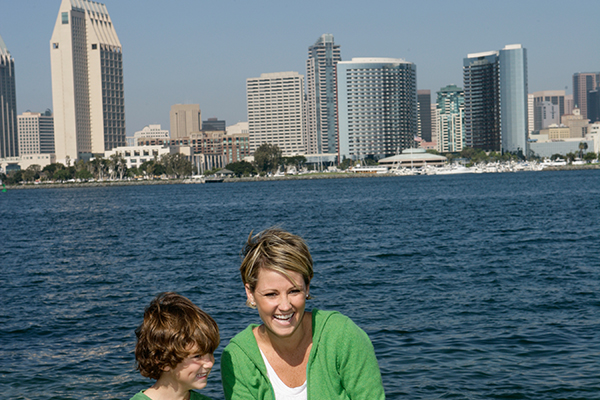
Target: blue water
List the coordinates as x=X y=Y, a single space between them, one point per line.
x=470 y=287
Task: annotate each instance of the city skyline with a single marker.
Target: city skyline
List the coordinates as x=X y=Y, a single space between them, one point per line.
x=208 y=63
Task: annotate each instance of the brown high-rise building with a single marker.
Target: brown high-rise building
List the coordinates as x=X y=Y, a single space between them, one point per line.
x=583 y=82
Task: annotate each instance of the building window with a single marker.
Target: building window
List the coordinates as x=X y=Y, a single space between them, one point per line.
x=65 y=18
x=94 y=46
x=55 y=45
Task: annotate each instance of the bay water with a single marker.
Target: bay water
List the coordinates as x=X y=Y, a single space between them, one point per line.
x=470 y=286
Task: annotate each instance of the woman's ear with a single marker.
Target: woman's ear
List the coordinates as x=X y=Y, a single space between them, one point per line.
x=249 y=294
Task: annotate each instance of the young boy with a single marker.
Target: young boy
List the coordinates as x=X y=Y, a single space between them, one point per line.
x=175 y=346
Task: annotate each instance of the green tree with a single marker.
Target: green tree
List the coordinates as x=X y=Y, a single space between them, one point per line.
x=267 y=158
x=49 y=170
x=241 y=168
x=590 y=156
x=346 y=163
x=582 y=147
x=32 y=173
x=62 y=175
x=14 y=177
x=84 y=174
x=571 y=157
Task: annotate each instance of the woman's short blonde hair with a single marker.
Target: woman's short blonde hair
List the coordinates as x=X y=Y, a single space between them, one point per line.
x=277 y=250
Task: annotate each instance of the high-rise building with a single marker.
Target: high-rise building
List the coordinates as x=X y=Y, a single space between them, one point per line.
x=530 y=113
x=185 y=119
x=9 y=143
x=377 y=102
x=36 y=133
x=513 y=99
x=321 y=96
x=583 y=82
x=214 y=124
x=496 y=107
x=87 y=81
x=593 y=105
x=450 y=112
x=276 y=111
x=482 y=101
x=555 y=97
x=424 y=106
x=546 y=114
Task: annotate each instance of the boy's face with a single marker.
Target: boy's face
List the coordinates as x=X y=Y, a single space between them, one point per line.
x=192 y=372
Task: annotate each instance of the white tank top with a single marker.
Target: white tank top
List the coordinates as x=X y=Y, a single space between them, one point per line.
x=282 y=391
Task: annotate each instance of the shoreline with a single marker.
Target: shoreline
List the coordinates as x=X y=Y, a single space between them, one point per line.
x=325 y=175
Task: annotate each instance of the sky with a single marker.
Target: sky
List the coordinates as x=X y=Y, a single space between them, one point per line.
x=202 y=52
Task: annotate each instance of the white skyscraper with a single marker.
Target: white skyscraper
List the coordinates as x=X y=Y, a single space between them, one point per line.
x=87 y=81
x=276 y=111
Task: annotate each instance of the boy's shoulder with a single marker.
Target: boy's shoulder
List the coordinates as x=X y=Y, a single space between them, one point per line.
x=193 y=396
x=198 y=396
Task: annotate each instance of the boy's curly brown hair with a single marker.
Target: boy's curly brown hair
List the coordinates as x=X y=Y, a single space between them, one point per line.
x=173 y=327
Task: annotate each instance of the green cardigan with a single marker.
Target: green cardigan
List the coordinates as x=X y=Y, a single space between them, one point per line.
x=341 y=365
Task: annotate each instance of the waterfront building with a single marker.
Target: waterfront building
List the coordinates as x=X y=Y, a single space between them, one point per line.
x=236 y=146
x=275 y=104
x=424 y=108
x=185 y=119
x=450 y=112
x=150 y=133
x=545 y=148
x=583 y=82
x=530 y=113
x=10 y=164
x=207 y=149
x=593 y=104
x=546 y=114
x=213 y=124
x=434 y=123
x=9 y=143
x=321 y=96
x=496 y=106
x=135 y=156
x=87 y=81
x=576 y=122
x=377 y=101
x=240 y=127
x=556 y=97
x=482 y=101
x=413 y=158
x=594 y=135
x=36 y=133
x=569 y=104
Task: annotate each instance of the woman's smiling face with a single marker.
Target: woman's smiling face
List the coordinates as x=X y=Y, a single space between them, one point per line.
x=279 y=300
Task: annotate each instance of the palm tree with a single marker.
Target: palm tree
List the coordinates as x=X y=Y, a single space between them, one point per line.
x=582 y=146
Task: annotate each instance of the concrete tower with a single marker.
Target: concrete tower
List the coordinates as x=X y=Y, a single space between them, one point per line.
x=276 y=111
x=377 y=101
x=87 y=81
x=321 y=95
x=9 y=144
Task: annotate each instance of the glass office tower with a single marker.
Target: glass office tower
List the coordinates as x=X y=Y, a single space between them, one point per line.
x=513 y=99
x=9 y=144
x=496 y=113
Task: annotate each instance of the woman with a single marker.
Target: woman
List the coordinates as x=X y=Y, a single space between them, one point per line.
x=294 y=354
